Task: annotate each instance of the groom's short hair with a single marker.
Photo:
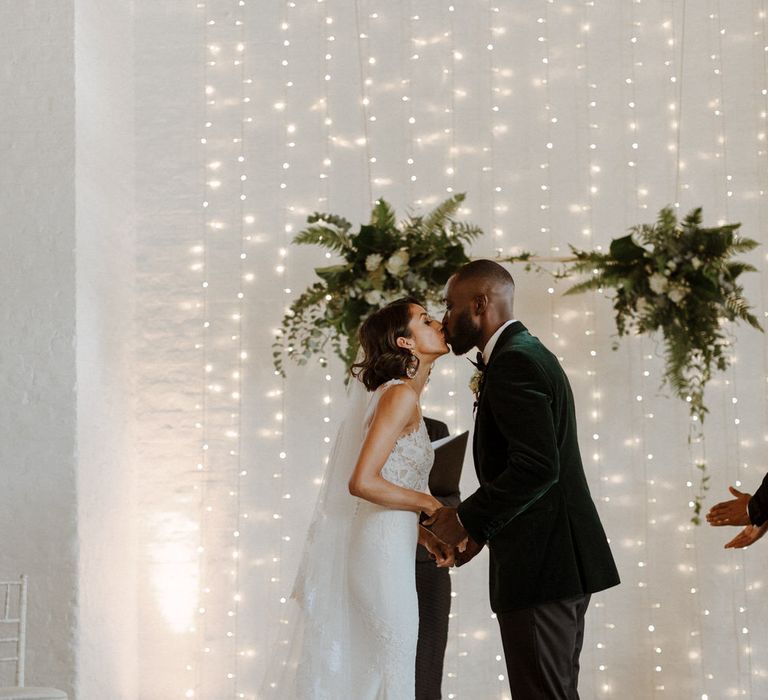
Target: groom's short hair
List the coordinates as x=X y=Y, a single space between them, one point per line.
x=487 y=271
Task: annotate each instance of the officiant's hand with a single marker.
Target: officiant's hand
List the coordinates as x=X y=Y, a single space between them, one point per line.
x=471 y=550
x=445 y=524
x=732 y=512
x=749 y=535
x=442 y=553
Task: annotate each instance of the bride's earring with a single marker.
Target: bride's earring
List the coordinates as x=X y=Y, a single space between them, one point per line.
x=413 y=366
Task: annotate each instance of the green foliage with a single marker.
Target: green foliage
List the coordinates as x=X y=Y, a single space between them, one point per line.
x=382 y=262
x=677 y=278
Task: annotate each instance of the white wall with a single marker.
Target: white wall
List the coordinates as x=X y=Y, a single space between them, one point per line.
x=67 y=497
x=105 y=305
x=38 y=499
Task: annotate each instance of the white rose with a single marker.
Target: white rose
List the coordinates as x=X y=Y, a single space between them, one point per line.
x=696 y=263
x=398 y=263
x=658 y=283
x=373 y=297
x=372 y=262
x=677 y=294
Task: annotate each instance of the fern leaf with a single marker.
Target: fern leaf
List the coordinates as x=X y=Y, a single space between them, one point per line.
x=383 y=216
x=443 y=212
x=330 y=238
x=594 y=283
x=742 y=245
x=464 y=231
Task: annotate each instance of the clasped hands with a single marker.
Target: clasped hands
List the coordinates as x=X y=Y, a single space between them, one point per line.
x=446 y=540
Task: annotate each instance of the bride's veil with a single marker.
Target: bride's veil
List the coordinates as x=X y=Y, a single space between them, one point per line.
x=311 y=656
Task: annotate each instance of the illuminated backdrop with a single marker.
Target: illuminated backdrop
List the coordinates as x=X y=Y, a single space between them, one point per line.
x=565 y=122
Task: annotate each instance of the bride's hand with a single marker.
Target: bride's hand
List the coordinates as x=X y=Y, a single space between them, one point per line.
x=443 y=554
x=431 y=505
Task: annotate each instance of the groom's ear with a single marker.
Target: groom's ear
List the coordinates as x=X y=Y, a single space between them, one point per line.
x=481 y=304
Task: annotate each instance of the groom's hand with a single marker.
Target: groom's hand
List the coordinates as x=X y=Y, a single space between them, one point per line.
x=470 y=551
x=445 y=524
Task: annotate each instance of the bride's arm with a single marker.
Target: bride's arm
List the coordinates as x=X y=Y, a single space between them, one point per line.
x=394 y=413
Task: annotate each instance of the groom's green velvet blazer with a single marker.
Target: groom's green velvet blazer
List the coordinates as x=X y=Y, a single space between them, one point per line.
x=533 y=507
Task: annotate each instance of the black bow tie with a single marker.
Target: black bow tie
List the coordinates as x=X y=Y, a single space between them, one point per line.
x=479 y=362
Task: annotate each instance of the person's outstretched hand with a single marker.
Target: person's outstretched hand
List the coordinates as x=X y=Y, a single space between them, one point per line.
x=445 y=524
x=749 y=535
x=732 y=512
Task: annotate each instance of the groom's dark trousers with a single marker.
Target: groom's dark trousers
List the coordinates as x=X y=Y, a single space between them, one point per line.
x=542 y=646
x=548 y=550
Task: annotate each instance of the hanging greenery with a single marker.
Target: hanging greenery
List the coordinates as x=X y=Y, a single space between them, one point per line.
x=675 y=277
x=383 y=261
x=681 y=279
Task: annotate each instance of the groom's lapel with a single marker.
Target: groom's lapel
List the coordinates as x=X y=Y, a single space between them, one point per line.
x=511 y=330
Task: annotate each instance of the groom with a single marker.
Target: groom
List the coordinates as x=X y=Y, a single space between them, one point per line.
x=533 y=509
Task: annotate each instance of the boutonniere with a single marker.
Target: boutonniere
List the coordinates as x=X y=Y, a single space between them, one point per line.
x=475 y=381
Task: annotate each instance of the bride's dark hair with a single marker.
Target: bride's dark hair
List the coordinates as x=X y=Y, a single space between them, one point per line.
x=382 y=358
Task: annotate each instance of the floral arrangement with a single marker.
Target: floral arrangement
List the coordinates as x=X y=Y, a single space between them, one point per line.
x=382 y=261
x=678 y=278
x=681 y=279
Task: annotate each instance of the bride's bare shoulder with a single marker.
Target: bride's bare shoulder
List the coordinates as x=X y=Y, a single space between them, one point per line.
x=398 y=398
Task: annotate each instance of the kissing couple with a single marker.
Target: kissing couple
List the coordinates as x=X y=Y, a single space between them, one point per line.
x=353 y=629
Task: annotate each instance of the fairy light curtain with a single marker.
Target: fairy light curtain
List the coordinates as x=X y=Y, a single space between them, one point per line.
x=565 y=122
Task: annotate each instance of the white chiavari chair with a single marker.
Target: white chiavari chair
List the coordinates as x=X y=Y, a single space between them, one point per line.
x=13 y=630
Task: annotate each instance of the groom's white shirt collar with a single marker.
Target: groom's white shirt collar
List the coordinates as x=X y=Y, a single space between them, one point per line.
x=491 y=344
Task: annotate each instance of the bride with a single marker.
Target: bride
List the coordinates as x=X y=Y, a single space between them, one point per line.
x=353 y=629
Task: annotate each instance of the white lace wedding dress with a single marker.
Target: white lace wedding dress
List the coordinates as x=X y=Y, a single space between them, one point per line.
x=355 y=632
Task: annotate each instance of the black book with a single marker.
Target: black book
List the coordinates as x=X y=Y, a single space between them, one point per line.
x=449 y=460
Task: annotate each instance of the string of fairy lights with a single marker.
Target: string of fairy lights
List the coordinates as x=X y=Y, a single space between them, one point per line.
x=760 y=92
x=221 y=468
x=696 y=446
x=601 y=671
x=224 y=662
x=640 y=452
x=236 y=430
x=288 y=131
x=741 y=618
x=454 y=55
x=193 y=687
